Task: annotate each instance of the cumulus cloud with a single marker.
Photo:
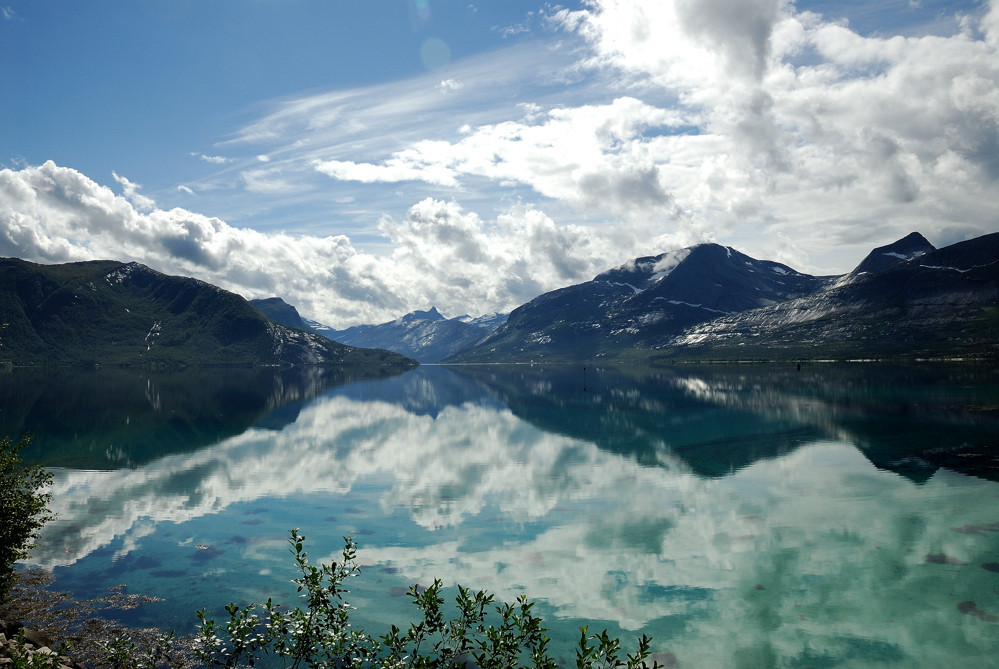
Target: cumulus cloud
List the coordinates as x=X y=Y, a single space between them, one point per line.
x=780 y=131
x=132 y=194
x=440 y=254
x=803 y=122
x=648 y=125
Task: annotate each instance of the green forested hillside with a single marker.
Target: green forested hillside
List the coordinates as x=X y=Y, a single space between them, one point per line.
x=107 y=312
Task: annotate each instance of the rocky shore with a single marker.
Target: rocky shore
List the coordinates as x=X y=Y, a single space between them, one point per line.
x=83 y=630
x=21 y=647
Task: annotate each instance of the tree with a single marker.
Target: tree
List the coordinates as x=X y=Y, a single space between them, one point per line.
x=24 y=502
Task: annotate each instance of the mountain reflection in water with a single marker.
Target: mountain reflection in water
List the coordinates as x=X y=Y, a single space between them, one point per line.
x=731 y=512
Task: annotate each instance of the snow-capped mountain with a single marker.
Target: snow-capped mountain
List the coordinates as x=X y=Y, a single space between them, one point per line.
x=923 y=303
x=426 y=336
x=911 y=246
x=488 y=322
x=710 y=301
x=631 y=306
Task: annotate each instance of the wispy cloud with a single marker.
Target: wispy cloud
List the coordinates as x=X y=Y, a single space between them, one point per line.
x=8 y=13
x=214 y=160
x=596 y=157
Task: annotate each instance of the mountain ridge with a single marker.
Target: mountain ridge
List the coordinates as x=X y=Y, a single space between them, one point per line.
x=627 y=306
x=941 y=302
x=111 y=312
x=709 y=301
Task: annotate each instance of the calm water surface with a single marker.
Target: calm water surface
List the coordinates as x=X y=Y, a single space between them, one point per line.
x=840 y=516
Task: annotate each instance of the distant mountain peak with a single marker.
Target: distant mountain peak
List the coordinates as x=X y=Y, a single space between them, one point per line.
x=911 y=246
x=429 y=315
x=281 y=312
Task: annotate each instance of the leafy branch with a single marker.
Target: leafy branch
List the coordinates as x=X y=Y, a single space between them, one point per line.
x=482 y=634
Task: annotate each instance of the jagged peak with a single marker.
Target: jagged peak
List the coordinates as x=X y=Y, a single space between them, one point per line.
x=430 y=314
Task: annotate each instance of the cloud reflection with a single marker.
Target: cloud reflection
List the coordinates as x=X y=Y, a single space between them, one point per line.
x=811 y=556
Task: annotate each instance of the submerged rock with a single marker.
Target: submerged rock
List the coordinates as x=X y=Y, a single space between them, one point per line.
x=971 y=609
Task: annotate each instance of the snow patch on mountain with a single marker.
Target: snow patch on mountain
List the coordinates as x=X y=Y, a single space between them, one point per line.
x=634 y=290
x=153 y=333
x=117 y=276
x=309 y=347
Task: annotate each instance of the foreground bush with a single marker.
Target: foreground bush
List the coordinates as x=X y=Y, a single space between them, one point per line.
x=483 y=634
x=23 y=508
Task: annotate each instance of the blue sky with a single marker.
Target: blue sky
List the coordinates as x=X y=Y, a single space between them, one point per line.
x=364 y=159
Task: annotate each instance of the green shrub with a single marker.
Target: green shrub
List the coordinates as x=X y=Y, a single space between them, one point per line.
x=482 y=635
x=23 y=508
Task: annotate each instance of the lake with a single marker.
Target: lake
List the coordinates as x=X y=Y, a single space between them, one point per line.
x=842 y=515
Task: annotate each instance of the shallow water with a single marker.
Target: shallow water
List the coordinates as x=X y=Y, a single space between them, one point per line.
x=839 y=516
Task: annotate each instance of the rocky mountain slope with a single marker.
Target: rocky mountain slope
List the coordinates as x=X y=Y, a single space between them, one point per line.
x=926 y=303
x=281 y=312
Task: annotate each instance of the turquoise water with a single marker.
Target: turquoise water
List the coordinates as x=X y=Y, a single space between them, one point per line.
x=840 y=516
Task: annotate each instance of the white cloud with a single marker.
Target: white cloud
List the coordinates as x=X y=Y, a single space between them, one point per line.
x=450 y=85
x=439 y=254
x=131 y=192
x=271 y=181
x=214 y=160
x=810 y=131
x=778 y=131
x=591 y=156
x=645 y=126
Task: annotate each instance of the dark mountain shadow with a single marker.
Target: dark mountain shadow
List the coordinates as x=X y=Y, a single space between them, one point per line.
x=110 y=418
x=718 y=419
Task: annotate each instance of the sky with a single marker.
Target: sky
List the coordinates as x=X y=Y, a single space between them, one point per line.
x=363 y=160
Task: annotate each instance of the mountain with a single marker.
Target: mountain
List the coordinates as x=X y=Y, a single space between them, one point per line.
x=281 y=312
x=905 y=299
x=425 y=336
x=107 y=312
x=633 y=306
x=488 y=321
x=911 y=246
x=926 y=303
